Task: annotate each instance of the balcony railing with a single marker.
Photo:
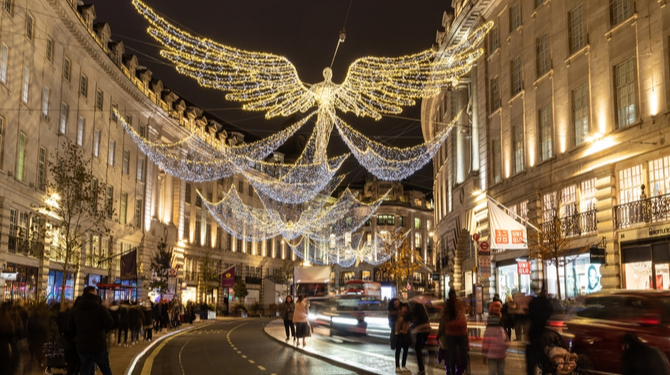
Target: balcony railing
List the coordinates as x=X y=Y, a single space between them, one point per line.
x=579 y=224
x=646 y=210
x=23 y=246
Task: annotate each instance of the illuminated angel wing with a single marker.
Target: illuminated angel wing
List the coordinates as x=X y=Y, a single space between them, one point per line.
x=382 y=85
x=262 y=81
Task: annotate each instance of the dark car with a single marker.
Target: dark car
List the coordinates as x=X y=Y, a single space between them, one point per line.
x=594 y=328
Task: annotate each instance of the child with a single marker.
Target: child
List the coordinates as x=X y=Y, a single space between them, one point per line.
x=494 y=346
x=402 y=338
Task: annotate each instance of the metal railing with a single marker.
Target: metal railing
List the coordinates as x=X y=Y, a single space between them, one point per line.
x=578 y=224
x=646 y=210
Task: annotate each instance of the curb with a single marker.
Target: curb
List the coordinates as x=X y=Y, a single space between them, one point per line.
x=322 y=357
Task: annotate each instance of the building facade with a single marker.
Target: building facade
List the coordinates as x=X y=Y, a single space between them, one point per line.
x=567 y=110
x=61 y=75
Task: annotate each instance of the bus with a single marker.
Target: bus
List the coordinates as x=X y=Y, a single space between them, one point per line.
x=363 y=288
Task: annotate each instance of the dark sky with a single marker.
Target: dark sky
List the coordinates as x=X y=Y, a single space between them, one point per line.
x=306 y=32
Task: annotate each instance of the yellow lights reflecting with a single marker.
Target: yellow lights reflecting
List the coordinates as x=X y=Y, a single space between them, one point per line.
x=599 y=143
x=653 y=103
x=52 y=200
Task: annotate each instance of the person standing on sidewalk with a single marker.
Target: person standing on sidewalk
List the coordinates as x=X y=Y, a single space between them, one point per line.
x=456 y=331
x=87 y=323
x=394 y=310
x=287 y=310
x=494 y=346
x=421 y=328
x=402 y=338
x=301 y=320
x=148 y=312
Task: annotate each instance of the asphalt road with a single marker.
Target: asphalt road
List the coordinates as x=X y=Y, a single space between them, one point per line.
x=235 y=346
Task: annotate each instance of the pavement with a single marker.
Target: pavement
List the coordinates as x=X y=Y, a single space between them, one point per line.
x=378 y=358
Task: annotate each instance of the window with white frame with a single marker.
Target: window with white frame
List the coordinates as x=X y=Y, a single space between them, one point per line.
x=546 y=131
x=542 y=55
x=630 y=180
x=417 y=240
x=620 y=10
x=138 y=213
x=517 y=143
x=4 y=60
x=23 y=224
x=659 y=176
x=515 y=67
x=496 y=160
x=493 y=37
x=80 y=131
x=495 y=94
x=45 y=103
x=580 y=113
x=577 y=40
x=569 y=201
x=523 y=209
x=124 y=208
x=21 y=158
x=548 y=207
x=13 y=221
x=587 y=195
x=64 y=113
x=625 y=93
x=112 y=151
x=126 y=162
x=25 y=87
x=514 y=17
x=96 y=143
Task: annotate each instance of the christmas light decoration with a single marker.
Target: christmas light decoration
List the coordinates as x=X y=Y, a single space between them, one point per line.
x=382 y=247
x=373 y=86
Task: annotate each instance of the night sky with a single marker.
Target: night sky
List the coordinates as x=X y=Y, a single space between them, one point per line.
x=306 y=32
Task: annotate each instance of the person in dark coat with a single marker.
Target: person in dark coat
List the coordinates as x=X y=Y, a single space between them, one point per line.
x=7 y=340
x=165 y=315
x=287 y=309
x=540 y=309
x=420 y=328
x=40 y=329
x=394 y=311
x=124 y=324
x=148 y=322
x=68 y=341
x=639 y=358
x=88 y=323
x=135 y=323
x=507 y=318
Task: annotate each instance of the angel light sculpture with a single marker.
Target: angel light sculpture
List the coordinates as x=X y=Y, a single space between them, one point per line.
x=374 y=86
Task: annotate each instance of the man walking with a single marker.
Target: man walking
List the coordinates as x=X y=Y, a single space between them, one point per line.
x=87 y=323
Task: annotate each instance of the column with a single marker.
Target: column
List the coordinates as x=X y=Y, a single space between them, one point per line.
x=605 y=194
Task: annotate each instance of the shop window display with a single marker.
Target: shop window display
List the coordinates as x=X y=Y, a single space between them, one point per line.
x=22 y=285
x=639 y=276
x=510 y=282
x=578 y=276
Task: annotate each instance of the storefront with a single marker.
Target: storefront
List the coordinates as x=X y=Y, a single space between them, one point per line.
x=20 y=281
x=578 y=275
x=645 y=266
x=55 y=286
x=509 y=280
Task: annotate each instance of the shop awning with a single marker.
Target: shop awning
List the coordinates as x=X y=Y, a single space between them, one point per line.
x=115 y=286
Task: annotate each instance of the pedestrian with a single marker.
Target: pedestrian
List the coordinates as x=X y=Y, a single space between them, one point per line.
x=520 y=313
x=421 y=329
x=507 y=318
x=148 y=312
x=639 y=358
x=494 y=346
x=496 y=298
x=539 y=311
x=124 y=324
x=88 y=322
x=69 y=343
x=394 y=310
x=7 y=340
x=40 y=329
x=301 y=320
x=402 y=337
x=164 y=315
x=456 y=331
x=287 y=310
x=135 y=323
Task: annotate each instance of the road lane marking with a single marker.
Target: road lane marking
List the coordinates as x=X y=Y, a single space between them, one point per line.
x=244 y=356
x=251 y=361
x=262 y=368
x=149 y=363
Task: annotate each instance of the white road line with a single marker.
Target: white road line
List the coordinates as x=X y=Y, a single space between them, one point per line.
x=251 y=361
x=262 y=368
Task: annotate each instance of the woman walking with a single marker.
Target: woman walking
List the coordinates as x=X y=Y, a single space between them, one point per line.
x=301 y=320
x=456 y=332
x=287 y=310
x=402 y=339
x=494 y=347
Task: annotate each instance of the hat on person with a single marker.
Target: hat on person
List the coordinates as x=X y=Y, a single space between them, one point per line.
x=495 y=308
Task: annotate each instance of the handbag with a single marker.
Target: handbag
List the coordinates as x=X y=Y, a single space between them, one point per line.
x=443 y=342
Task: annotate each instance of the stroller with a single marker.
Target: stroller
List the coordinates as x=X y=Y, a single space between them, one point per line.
x=55 y=356
x=554 y=358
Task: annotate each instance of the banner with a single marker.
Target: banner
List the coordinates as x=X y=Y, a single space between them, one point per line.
x=228 y=278
x=129 y=266
x=506 y=233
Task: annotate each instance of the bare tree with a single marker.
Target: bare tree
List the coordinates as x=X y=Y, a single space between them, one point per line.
x=208 y=274
x=75 y=205
x=284 y=277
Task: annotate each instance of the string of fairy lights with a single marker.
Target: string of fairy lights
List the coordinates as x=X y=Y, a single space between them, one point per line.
x=296 y=198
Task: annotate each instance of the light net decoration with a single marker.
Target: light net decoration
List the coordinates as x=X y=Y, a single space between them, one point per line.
x=374 y=86
x=381 y=248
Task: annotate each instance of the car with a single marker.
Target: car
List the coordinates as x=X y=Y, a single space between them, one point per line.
x=595 y=326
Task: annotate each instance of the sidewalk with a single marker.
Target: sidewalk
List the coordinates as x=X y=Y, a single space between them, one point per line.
x=120 y=357
x=378 y=358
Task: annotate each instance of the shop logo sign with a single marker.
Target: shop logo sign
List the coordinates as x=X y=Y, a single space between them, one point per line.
x=518 y=237
x=523 y=268
x=502 y=236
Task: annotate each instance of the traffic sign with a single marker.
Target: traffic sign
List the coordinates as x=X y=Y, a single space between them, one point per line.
x=484 y=246
x=172 y=272
x=475 y=237
x=409 y=286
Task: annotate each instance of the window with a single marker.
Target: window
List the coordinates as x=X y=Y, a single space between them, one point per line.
x=546 y=132
x=587 y=195
x=417 y=240
x=138 y=213
x=580 y=114
x=495 y=94
x=659 y=176
x=417 y=223
x=385 y=220
x=126 y=162
x=13 y=222
x=66 y=69
x=208 y=235
x=198 y=225
x=4 y=57
x=21 y=158
x=64 y=113
x=543 y=61
x=112 y=149
x=8 y=6
x=240 y=186
x=250 y=190
x=539 y=2
x=42 y=170
x=493 y=37
x=576 y=29
x=26 y=84
x=630 y=180
x=187 y=229
x=496 y=168
x=49 y=51
x=99 y=96
x=140 y=169
x=30 y=27
x=96 y=143
x=569 y=201
x=620 y=10
x=80 y=131
x=187 y=193
x=198 y=200
x=517 y=144
x=515 y=66
x=124 y=207
x=110 y=201
x=2 y=128
x=45 y=103
x=548 y=207
x=83 y=85
x=625 y=93
x=514 y=17
x=129 y=118
x=115 y=118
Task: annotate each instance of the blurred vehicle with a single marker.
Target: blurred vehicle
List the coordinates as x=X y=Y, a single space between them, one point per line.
x=345 y=315
x=312 y=281
x=363 y=288
x=595 y=326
